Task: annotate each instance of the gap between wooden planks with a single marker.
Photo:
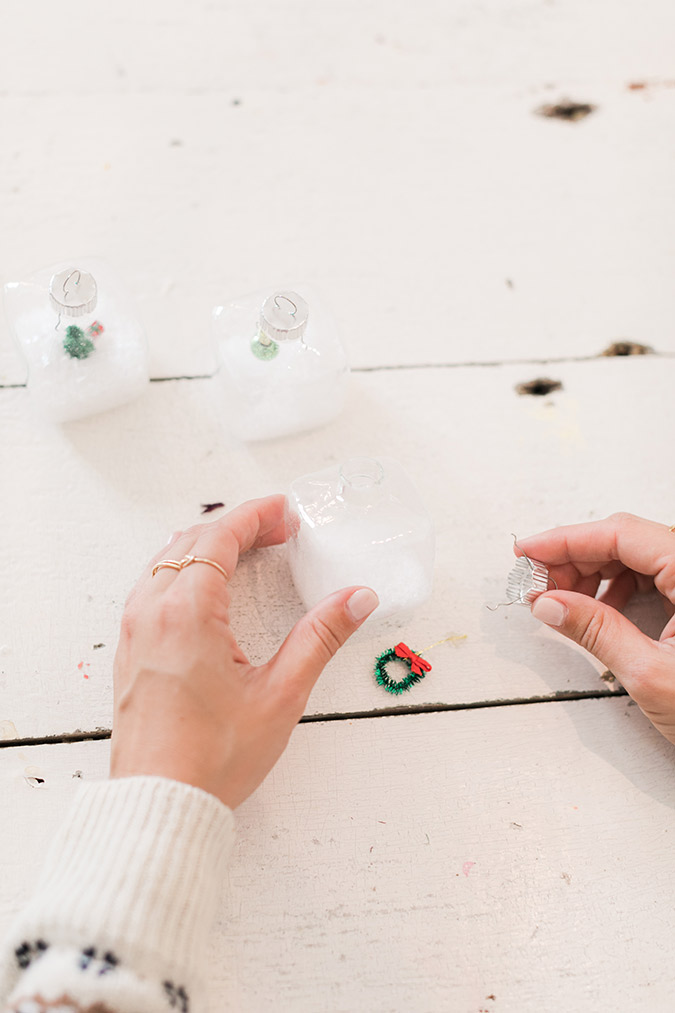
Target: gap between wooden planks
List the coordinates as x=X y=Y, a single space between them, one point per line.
x=549 y=361
x=560 y=697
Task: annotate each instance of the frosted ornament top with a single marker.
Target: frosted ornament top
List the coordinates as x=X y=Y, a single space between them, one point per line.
x=362 y=522
x=73 y=292
x=284 y=315
x=83 y=344
x=283 y=367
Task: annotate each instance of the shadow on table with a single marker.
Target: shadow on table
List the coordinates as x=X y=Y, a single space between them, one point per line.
x=636 y=748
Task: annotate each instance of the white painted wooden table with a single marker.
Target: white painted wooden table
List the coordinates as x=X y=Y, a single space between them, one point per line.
x=499 y=838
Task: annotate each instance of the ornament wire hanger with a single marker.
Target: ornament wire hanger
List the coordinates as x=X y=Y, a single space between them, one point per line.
x=526 y=581
x=292 y=312
x=65 y=291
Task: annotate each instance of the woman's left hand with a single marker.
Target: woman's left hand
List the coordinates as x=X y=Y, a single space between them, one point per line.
x=188 y=703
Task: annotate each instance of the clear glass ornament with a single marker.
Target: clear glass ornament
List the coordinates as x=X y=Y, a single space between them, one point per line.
x=84 y=347
x=362 y=522
x=282 y=365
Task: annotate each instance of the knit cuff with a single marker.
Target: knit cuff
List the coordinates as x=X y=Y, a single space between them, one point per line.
x=136 y=869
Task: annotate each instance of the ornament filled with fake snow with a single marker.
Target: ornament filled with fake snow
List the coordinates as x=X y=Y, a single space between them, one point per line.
x=362 y=522
x=84 y=347
x=282 y=365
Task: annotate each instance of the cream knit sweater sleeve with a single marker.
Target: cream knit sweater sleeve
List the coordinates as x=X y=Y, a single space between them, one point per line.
x=121 y=914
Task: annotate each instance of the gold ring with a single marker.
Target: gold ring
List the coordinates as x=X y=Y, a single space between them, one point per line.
x=180 y=564
x=672 y=527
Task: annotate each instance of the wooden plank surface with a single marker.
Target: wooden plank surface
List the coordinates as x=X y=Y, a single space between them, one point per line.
x=391 y=156
x=428 y=862
x=172 y=45
x=506 y=858
x=88 y=504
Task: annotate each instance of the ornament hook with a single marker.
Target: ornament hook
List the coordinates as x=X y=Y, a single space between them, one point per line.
x=67 y=279
x=279 y=296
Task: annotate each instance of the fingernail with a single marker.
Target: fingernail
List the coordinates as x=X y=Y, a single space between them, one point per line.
x=549 y=611
x=362 y=603
x=174 y=537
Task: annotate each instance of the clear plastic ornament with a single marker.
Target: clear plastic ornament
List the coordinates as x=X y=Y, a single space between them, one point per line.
x=282 y=365
x=362 y=522
x=77 y=330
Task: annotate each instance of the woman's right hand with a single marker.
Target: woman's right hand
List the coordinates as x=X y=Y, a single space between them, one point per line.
x=634 y=555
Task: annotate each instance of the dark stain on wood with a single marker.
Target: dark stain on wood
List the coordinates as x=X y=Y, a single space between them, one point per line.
x=627 y=348
x=539 y=387
x=566 y=110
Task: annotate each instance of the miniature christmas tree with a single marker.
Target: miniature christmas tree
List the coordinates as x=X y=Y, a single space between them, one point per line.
x=76 y=344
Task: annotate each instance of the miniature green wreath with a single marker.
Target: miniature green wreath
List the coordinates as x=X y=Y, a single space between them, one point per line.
x=418 y=669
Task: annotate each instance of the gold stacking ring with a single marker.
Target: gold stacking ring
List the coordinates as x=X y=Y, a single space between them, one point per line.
x=672 y=527
x=180 y=564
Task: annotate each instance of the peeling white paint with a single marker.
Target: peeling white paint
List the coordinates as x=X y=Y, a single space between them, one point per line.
x=8 y=730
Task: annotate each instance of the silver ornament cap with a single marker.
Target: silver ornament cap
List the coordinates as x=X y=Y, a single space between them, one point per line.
x=526 y=581
x=284 y=315
x=73 y=292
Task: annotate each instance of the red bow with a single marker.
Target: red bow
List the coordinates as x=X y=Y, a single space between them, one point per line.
x=417 y=665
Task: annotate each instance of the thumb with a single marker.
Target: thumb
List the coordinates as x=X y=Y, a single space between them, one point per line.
x=604 y=632
x=319 y=635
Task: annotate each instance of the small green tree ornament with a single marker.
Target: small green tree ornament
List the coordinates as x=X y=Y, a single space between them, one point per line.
x=76 y=344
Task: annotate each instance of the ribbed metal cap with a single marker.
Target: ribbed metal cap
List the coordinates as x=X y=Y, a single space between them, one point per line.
x=526 y=581
x=284 y=315
x=73 y=292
